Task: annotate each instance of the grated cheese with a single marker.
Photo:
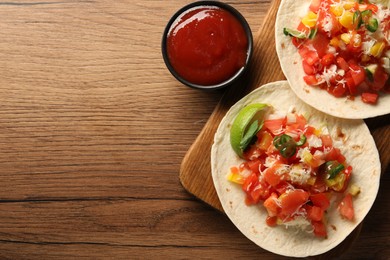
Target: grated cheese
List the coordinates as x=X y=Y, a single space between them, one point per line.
x=314 y=141
x=327 y=25
x=282 y=169
x=301 y=153
x=329 y=73
x=300 y=223
x=299 y=175
x=269 y=162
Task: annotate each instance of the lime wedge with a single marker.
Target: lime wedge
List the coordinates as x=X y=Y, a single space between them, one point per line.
x=246 y=121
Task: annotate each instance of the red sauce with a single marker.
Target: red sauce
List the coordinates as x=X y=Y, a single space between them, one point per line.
x=207 y=45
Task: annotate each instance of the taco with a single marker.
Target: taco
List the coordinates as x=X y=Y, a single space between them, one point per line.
x=336 y=55
x=298 y=181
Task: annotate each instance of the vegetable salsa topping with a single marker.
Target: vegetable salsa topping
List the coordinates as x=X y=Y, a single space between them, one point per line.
x=295 y=172
x=344 y=46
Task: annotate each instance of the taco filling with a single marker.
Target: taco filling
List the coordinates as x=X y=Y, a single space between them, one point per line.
x=314 y=174
x=293 y=170
x=344 y=46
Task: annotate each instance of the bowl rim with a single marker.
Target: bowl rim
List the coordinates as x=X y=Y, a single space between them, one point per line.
x=237 y=15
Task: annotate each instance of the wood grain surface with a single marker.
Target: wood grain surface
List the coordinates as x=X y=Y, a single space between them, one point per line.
x=93 y=130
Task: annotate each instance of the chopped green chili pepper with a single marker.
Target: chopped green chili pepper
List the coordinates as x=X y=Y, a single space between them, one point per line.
x=333 y=168
x=288 y=151
x=286 y=145
x=294 y=33
x=357 y=19
x=369 y=74
x=372 y=25
x=302 y=140
x=366 y=13
x=313 y=33
x=281 y=140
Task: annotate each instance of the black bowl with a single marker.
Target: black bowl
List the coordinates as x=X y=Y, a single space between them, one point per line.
x=242 y=21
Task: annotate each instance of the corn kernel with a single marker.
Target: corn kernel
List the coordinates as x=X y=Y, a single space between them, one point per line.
x=349 y=5
x=317 y=132
x=335 y=42
x=346 y=20
x=377 y=49
x=310 y=19
x=354 y=190
x=346 y=38
x=235 y=177
x=337 y=10
x=311 y=180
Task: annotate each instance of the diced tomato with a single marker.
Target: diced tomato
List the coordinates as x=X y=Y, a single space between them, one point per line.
x=249 y=184
x=346 y=207
x=372 y=7
x=301 y=122
x=370 y=98
x=316 y=161
x=319 y=228
x=271 y=221
x=274 y=125
x=380 y=78
x=315 y=5
x=347 y=173
x=291 y=201
x=271 y=177
x=342 y=64
x=327 y=141
x=335 y=154
x=327 y=59
x=350 y=83
x=309 y=130
x=271 y=205
x=308 y=69
x=297 y=126
x=311 y=57
x=310 y=80
x=234 y=170
x=335 y=79
x=339 y=90
x=315 y=213
x=252 y=152
x=358 y=74
x=254 y=166
x=320 y=43
x=282 y=187
x=303 y=51
x=259 y=193
x=320 y=200
x=298 y=43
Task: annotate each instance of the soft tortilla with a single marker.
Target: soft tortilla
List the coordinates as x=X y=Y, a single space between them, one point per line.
x=289 y=15
x=357 y=145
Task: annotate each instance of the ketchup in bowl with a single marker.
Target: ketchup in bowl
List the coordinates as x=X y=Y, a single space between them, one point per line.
x=207 y=45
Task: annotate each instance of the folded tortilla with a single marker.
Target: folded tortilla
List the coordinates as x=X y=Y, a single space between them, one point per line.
x=289 y=15
x=352 y=137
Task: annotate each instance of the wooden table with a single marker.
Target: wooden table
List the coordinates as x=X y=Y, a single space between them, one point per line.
x=93 y=130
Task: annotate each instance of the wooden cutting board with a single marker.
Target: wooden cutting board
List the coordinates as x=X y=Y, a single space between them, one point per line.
x=195 y=170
